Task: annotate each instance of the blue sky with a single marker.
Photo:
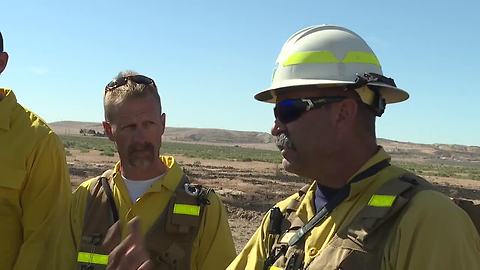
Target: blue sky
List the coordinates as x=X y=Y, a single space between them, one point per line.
x=210 y=57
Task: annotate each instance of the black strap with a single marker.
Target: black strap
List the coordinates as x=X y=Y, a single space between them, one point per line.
x=341 y=195
x=111 y=201
x=378 y=104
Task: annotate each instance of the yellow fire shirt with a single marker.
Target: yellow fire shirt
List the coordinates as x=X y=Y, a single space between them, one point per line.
x=34 y=189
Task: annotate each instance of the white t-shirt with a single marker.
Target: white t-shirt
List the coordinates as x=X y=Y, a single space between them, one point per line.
x=136 y=188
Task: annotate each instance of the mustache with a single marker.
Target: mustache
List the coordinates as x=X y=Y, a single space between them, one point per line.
x=283 y=141
x=140 y=147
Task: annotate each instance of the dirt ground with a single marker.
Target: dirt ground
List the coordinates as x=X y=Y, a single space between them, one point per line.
x=248 y=189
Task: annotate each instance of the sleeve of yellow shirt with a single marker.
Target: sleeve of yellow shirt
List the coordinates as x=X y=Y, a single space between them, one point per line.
x=433 y=234
x=45 y=200
x=216 y=248
x=253 y=255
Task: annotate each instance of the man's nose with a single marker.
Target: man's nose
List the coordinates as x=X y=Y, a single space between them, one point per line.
x=139 y=135
x=278 y=128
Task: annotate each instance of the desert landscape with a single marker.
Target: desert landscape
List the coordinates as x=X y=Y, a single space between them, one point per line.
x=244 y=167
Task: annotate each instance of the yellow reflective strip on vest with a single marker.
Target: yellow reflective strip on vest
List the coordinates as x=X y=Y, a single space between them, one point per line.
x=273 y=267
x=186 y=209
x=381 y=200
x=361 y=57
x=326 y=57
x=318 y=57
x=85 y=257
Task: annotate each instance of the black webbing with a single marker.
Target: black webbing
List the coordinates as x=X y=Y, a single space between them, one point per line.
x=111 y=201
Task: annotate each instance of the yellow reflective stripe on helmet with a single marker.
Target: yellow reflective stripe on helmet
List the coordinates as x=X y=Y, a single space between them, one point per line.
x=186 y=209
x=273 y=267
x=361 y=57
x=381 y=200
x=85 y=257
x=311 y=58
x=326 y=57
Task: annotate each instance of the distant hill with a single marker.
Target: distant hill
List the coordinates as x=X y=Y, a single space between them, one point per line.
x=73 y=127
x=218 y=136
x=262 y=140
x=194 y=135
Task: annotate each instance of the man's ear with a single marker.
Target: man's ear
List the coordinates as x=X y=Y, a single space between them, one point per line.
x=3 y=61
x=163 y=118
x=107 y=127
x=347 y=112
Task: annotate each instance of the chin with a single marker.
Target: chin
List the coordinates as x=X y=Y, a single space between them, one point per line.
x=295 y=168
x=289 y=167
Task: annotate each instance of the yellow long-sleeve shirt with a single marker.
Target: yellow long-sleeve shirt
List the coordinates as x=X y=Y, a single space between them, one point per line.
x=433 y=233
x=34 y=188
x=213 y=248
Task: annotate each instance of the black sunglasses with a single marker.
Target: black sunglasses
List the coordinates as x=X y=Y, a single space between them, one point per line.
x=138 y=79
x=289 y=110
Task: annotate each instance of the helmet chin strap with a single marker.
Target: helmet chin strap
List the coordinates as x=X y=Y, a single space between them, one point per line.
x=370 y=95
x=378 y=105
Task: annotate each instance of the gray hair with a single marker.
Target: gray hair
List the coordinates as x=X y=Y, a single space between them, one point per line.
x=119 y=95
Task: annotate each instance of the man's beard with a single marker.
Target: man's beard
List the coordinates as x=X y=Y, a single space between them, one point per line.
x=283 y=141
x=147 y=152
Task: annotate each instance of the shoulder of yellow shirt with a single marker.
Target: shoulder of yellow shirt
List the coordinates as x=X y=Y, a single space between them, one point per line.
x=38 y=128
x=284 y=203
x=433 y=201
x=88 y=183
x=35 y=119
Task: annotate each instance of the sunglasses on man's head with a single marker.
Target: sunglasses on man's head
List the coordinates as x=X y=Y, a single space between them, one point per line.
x=138 y=79
x=289 y=110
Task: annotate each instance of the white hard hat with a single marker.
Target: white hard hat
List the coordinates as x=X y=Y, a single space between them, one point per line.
x=328 y=55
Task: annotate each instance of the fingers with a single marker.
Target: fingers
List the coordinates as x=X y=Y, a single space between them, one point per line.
x=135 y=257
x=134 y=228
x=113 y=237
x=148 y=265
x=118 y=253
x=130 y=254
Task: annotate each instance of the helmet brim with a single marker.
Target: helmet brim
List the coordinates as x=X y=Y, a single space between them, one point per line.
x=390 y=93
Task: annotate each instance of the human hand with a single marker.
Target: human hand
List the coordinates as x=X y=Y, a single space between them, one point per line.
x=130 y=254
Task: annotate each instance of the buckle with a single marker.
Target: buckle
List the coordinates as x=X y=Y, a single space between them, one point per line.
x=192 y=190
x=371 y=77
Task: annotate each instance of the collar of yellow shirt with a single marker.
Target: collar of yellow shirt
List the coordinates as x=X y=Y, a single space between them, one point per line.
x=307 y=208
x=169 y=180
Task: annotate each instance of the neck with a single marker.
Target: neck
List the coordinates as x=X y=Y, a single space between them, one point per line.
x=143 y=173
x=340 y=172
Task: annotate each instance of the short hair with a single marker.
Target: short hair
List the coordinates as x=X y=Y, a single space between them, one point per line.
x=1 y=42
x=130 y=90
